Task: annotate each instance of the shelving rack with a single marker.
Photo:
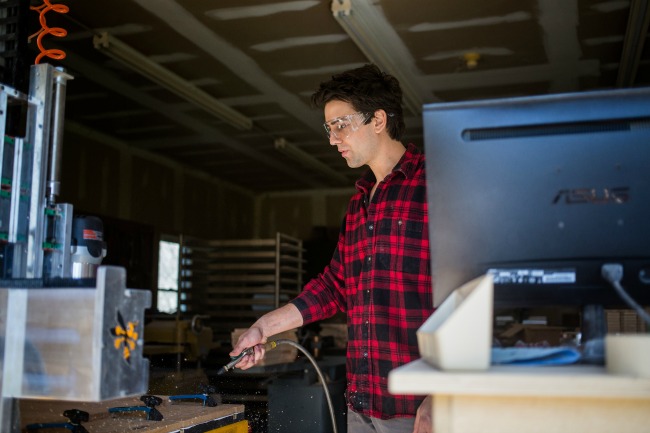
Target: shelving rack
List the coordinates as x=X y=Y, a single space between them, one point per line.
x=236 y=281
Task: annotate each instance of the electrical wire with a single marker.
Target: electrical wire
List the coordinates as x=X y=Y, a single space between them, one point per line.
x=613 y=273
x=53 y=53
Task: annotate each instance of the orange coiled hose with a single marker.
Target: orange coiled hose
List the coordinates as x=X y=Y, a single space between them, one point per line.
x=52 y=53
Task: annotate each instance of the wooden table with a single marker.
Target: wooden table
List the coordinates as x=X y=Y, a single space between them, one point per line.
x=518 y=399
x=176 y=417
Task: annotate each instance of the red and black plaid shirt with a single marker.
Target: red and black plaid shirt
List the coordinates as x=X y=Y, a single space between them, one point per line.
x=380 y=276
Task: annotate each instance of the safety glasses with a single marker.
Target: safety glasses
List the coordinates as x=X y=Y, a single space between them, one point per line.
x=341 y=127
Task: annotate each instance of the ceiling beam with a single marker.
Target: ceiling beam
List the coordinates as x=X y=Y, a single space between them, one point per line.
x=183 y=22
x=101 y=76
x=510 y=76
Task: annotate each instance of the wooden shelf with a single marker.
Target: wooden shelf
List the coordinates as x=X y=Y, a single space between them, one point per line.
x=577 y=380
x=234 y=279
x=518 y=399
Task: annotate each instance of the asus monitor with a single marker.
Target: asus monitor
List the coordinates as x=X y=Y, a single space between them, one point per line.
x=541 y=192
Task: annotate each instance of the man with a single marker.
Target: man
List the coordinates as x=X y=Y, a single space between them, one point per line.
x=379 y=274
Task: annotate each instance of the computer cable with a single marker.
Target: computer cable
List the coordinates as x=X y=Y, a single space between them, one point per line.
x=613 y=273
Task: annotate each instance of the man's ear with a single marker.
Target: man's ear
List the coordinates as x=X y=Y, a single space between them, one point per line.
x=380 y=120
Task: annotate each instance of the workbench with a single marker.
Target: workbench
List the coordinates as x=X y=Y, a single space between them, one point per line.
x=185 y=416
x=520 y=399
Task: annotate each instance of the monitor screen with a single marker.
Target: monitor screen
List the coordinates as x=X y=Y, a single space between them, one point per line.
x=541 y=192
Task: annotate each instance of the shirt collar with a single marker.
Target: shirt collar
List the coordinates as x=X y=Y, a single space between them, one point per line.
x=407 y=166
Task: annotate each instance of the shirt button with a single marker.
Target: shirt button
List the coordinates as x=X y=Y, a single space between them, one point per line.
x=365 y=354
x=367 y=322
x=369 y=259
x=370 y=227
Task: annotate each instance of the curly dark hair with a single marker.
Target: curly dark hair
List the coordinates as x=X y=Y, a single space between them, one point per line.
x=367 y=89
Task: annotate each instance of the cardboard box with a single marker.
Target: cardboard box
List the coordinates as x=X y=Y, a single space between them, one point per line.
x=533 y=334
x=338 y=331
x=623 y=321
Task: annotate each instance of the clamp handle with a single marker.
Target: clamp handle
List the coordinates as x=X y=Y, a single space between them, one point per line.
x=207 y=400
x=150 y=401
x=75 y=417
x=205 y=391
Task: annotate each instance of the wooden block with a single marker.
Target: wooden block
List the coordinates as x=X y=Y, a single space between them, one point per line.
x=339 y=331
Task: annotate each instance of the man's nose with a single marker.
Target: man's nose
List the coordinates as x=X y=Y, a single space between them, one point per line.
x=334 y=140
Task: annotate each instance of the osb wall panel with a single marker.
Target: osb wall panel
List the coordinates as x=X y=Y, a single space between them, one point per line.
x=215 y=212
x=153 y=198
x=110 y=180
x=290 y=215
x=300 y=213
x=90 y=173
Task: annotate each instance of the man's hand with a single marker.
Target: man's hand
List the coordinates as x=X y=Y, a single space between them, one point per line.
x=424 y=417
x=252 y=337
x=279 y=320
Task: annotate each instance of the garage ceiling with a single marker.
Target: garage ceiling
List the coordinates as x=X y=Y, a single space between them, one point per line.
x=263 y=60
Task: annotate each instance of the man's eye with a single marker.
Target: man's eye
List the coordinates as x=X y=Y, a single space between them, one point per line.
x=341 y=125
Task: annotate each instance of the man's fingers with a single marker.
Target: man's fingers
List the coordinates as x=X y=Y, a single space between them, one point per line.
x=249 y=361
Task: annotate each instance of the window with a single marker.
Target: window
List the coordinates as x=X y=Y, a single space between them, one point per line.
x=168 y=276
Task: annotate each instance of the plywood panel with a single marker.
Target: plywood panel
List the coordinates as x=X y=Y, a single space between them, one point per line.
x=175 y=416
